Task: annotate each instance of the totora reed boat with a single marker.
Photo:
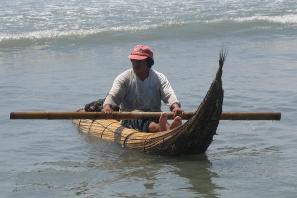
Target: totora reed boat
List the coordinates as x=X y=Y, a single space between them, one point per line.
x=193 y=137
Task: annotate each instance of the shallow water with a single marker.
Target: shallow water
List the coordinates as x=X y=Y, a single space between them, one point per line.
x=57 y=55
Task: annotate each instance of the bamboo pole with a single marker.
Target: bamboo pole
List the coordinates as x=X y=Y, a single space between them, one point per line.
x=139 y=115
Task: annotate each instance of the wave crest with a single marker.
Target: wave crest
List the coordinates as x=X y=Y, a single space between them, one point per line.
x=55 y=34
x=285 y=19
x=165 y=29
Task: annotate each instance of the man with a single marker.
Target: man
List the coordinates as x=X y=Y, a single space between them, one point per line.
x=142 y=89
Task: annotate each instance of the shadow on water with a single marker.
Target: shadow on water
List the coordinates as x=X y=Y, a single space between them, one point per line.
x=153 y=175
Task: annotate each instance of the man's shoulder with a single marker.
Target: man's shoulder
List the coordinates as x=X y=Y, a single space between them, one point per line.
x=158 y=74
x=125 y=74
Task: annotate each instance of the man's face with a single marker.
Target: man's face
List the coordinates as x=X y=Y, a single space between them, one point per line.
x=140 y=67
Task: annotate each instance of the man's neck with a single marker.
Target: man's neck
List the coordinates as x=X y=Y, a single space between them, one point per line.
x=144 y=76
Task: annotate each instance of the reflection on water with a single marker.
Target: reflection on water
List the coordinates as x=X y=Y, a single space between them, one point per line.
x=198 y=169
x=153 y=175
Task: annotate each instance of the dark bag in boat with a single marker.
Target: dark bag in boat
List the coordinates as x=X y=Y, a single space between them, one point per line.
x=97 y=106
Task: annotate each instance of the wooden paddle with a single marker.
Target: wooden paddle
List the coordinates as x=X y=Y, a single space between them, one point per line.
x=139 y=115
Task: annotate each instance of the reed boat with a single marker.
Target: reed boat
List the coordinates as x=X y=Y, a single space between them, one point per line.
x=193 y=137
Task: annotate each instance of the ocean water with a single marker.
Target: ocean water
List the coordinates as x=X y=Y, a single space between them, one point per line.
x=58 y=55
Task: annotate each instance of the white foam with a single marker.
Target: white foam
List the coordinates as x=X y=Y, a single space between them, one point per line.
x=285 y=19
x=55 y=34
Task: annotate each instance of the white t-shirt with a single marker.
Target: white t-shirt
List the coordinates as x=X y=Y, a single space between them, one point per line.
x=131 y=93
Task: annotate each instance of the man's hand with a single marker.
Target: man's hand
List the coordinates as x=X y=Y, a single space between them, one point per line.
x=176 y=109
x=107 y=109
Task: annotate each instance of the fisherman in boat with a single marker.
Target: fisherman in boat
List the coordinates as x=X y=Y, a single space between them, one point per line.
x=142 y=88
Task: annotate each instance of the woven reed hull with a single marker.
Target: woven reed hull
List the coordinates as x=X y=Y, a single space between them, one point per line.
x=193 y=137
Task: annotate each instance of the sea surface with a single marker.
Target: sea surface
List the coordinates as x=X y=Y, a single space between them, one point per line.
x=57 y=55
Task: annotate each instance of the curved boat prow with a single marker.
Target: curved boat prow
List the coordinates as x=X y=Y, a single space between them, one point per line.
x=203 y=125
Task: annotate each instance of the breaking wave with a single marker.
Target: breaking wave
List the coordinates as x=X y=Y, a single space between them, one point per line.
x=168 y=29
